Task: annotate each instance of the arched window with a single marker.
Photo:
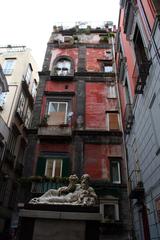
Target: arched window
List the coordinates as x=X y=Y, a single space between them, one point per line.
x=63 y=67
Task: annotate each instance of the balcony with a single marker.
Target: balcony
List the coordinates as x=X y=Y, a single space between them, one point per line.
x=128 y=118
x=27 y=91
x=140 y=73
x=128 y=17
x=121 y=68
x=52 y=131
x=136 y=189
x=35 y=186
x=42 y=187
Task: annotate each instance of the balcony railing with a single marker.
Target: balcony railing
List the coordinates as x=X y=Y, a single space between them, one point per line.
x=140 y=73
x=41 y=187
x=136 y=189
x=25 y=87
x=128 y=118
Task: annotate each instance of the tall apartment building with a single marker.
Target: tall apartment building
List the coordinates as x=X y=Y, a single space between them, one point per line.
x=76 y=127
x=138 y=61
x=16 y=105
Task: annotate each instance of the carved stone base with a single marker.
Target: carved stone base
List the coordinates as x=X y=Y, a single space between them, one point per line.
x=59 y=224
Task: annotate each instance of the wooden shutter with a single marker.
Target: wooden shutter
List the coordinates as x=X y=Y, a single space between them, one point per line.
x=41 y=164
x=65 y=167
x=113 y=121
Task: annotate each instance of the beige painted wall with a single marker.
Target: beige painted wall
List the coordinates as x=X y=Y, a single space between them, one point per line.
x=14 y=80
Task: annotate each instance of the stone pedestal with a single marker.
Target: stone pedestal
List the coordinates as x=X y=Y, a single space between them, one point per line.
x=41 y=222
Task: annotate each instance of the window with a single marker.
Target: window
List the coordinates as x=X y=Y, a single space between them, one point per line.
x=109 y=54
x=108 y=69
x=2 y=99
x=112 y=121
x=63 y=67
x=109 y=208
x=57 y=112
x=115 y=171
x=127 y=93
x=53 y=167
x=28 y=117
x=8 y=66
x=34 y=88
x=12 y=140
x=28 y=74
x=111 y=92
x=21 y=105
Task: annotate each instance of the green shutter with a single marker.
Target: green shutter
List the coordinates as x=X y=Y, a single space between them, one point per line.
x=41 y=164
x=65 y=167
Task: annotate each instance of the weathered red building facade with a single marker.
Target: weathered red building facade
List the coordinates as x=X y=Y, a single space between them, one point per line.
x=76 y=127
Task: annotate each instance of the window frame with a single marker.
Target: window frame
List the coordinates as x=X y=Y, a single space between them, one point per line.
x=53 y=166
x=59 y=102
x=108 y=113
x=28 y=74
x=21 y=111
x=6 y=70
x=111 y=91
x=115 y=160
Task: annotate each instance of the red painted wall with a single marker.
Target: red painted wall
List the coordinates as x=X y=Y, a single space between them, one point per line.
x=92 y=54
x=96 y=159
x=95 y=105
x=66 y=86
x=53 y=147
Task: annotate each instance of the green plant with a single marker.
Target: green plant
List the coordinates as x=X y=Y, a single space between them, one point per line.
x=106 y=37
x=43 y=122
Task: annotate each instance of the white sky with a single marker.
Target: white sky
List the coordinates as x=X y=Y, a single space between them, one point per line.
x=30 y=22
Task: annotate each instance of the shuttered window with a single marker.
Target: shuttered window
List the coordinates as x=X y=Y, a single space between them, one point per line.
x=52 y=166
x=112 y=121
x=111 y=92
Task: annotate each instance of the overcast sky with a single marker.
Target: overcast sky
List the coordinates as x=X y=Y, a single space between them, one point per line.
x=30 y=22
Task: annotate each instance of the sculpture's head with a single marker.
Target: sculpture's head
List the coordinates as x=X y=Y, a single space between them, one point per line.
x=85 y=181
x=73 y=178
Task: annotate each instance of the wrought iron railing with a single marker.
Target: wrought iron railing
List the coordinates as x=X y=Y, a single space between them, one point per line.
x=128 y=118
x=140 y=73
x=135 y=185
